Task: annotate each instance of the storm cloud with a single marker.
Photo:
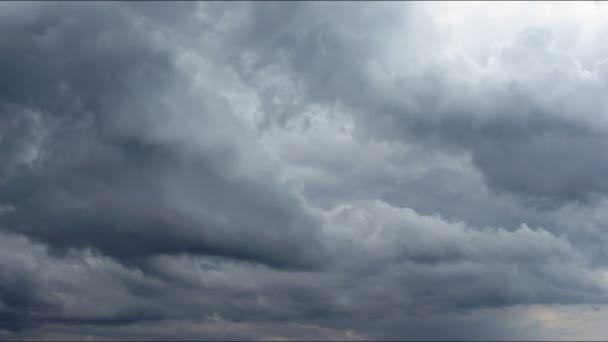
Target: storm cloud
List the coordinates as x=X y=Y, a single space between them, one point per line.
x=302 y=170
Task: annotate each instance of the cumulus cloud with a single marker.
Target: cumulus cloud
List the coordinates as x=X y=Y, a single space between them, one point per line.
x=292 y=170
x=110 y=140
x=517 y=113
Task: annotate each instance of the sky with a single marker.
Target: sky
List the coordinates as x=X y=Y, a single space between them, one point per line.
x=304 y=170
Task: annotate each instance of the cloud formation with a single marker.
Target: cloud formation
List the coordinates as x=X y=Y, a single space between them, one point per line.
x=114 y=140
x=292 y=170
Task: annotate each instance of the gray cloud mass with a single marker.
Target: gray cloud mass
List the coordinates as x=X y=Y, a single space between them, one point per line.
x=300 y=170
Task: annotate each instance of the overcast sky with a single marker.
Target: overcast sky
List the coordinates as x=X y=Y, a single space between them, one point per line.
x=304 y=170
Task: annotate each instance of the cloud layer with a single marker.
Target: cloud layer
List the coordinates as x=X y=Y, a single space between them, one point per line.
x=295 y=170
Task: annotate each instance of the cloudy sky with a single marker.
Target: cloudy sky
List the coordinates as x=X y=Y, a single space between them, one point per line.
x=303 y=170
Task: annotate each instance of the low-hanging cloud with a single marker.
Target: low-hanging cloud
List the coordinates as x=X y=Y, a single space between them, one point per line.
x=293 y=170
x=103 y=137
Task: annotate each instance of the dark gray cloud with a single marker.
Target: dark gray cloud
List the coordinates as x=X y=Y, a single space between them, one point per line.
x=106 y=146
x=393 y=266
x=292 y=170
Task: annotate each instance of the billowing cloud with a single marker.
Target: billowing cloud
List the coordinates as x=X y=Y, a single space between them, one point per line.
x=517 y=111
x=293 y=170
x=108 y=146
